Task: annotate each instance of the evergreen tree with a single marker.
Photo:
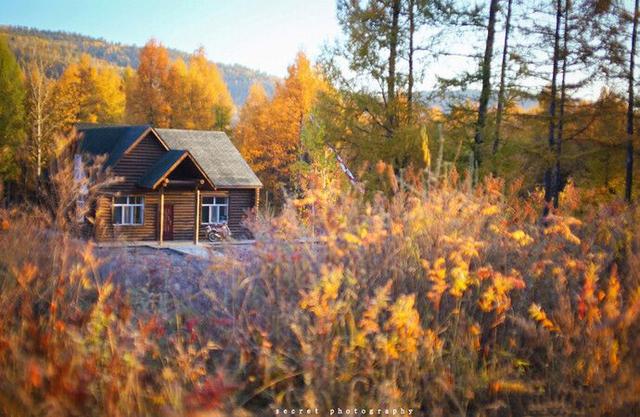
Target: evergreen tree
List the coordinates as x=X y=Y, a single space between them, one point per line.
x=12 y=94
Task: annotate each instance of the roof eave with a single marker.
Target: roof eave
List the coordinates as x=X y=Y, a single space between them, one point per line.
x=242 y=186
x=173 y=166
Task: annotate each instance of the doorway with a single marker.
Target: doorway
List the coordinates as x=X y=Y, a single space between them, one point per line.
x=167 y=227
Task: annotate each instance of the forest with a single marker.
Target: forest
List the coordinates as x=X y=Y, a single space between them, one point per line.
x=448 y=224
x=59 y=49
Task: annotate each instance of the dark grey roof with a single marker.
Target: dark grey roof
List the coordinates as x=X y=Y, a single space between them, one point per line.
x=215 y=153
x=158 y=169
x=111 y=140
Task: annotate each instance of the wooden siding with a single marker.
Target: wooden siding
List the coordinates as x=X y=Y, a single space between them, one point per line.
x=106 y=230
x=136 y=163
x=240 y=200
x=184 y=210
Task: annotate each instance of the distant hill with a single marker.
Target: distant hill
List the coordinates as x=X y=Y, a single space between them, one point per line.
x=58 y=49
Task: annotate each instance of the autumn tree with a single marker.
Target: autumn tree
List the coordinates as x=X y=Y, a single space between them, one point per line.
x=564 y=55
x=42 y=118
x=252 y=121
x=178 y=95
x=147 y=98
x=630 y=104
x=269 y=131
x=12 y=95
x=503 y=78
x=90 y=93
x=485 y=93
x=211 y=106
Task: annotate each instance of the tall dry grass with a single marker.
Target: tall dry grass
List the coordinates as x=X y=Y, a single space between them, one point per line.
x=455 y=301
x=71 y=343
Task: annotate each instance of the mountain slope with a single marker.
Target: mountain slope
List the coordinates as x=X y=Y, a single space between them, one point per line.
x=58 y=49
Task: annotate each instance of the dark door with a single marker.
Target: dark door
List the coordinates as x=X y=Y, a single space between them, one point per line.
x=167 y=228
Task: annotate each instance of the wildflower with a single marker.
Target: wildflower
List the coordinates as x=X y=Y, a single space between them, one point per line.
x=405 y=322
x=521 y=238
x=490 y=210
x=437 y=276
x=369 y=320
x=612 y=302
x=536 y=313
x=168 y=374
x=460 y=281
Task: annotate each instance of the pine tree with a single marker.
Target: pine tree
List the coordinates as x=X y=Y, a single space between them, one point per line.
x=12 y=94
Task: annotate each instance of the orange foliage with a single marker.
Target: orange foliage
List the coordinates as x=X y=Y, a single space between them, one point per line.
x=147 y=100
x=269 y=131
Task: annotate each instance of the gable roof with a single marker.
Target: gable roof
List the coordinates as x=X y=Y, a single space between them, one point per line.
x=211 y=151
x=111 y=140
x=215 y=153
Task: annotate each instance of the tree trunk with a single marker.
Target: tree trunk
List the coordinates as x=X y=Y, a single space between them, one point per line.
x=632 y=57
x=39 y=133
x=563 y=99
x=393 y=56
x=440 y=152
x=503 y=71
x=548 y=175
x=486 y=85
x=412 y=29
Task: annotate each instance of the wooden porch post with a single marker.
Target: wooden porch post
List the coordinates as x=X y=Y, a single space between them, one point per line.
x=196 y=236
x=161 y=231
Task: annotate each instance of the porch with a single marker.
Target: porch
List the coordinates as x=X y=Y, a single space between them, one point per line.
x=203 y=249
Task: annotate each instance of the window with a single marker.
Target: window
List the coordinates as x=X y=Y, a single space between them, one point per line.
x=128 y=210
x=215 y=210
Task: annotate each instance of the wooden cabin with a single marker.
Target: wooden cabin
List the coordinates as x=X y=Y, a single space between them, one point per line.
x=172 y=183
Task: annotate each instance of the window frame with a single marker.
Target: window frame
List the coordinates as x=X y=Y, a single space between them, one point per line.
x=131 y=208
x=213 y=209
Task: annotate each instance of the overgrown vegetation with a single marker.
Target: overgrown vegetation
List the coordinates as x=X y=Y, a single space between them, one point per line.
x=455 y=301
x=403 y=286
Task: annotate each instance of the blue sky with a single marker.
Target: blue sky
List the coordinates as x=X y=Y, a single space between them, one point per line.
x=264 y=35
